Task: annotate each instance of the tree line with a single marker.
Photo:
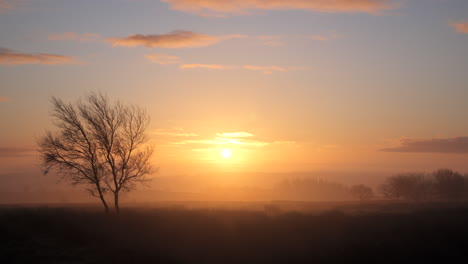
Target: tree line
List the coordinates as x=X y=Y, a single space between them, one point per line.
x=440 y=185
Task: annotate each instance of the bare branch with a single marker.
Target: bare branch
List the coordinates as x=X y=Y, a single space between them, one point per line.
x=99 y=143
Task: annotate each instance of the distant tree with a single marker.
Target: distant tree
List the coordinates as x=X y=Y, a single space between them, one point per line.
x=362 y=192
x=98 y=143
x=449 y=184
x=407 y=186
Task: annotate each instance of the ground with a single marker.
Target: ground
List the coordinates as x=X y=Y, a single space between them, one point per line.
x=346 y=233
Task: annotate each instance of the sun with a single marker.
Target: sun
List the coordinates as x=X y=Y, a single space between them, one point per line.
x=226 y=153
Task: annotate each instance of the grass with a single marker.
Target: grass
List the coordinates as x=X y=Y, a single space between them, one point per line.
x=178 y=235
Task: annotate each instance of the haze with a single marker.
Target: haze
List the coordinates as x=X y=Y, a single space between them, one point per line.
x=242 y=94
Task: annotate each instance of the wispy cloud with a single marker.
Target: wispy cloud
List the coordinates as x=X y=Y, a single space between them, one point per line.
x=235 y=134
x=269 y=69
x=10 y=57
x=172 y=40
x=224 y=141
x=239 y=7
x=8 y=152
x=434 y=145
x=323 y=37
x=272 y=41
x=85 y=37
x=4 y=99
x=206 y=66
x=263 y=69
x=460 y=27
x=165 y=59
x=221 y=139
x=174 y=132
x=162 y=58
x=5 y=4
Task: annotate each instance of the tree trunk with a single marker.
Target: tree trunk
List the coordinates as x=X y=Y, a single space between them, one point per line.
x=103 y=200
x=116 y=202
x=106 y=208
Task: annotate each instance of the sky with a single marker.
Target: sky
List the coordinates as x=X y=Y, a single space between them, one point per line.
x=344 y=87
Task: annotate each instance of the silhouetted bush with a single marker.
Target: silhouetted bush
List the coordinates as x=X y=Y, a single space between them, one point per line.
x=449 y=185
x=408 y=186
x=362 y=192
x=442 y=185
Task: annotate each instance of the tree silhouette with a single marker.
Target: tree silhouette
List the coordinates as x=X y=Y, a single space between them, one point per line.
x=100 y=144
x=449 y=184
x=408 y=186
x=362 y=192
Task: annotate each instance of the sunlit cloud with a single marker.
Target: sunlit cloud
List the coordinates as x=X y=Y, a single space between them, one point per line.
x=224 y=141
x=240 y=7
x=235 y=134
x=460 y=27
x=10 y=57
x=4 y=99
x=272 y=41
x=172 y=40
x=262 y=69
x=9 y=152
x=228 y=139
x=5 y=4
x=162 y=58
x=434 y=145
x=324 y=37
x=206 y=66
x=174 y=132
x=269 y=69
x=85 y=37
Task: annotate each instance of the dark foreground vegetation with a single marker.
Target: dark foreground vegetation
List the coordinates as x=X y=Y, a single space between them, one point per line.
x=385 y=233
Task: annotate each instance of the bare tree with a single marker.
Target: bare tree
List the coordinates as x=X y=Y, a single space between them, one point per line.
x=449 y=184
x=408 y=186
x=362 y=192
x=100 y=144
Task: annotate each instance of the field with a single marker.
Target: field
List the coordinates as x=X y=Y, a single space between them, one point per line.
x=241 y=233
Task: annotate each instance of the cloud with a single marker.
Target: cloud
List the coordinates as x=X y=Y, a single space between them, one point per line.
x=224 y=141
x=172 y=40
x=206 y=66
x=10 y=57
x=229 y=139
x=235 y=134
x=5 y=4
x=268 y=69
x=239 y=7
x=263 y=69
x=162 y=58
x=3 y=99
x=434 y=145
x=272 y=41
x=86 y=37
x=323 y=37
x=7 y=152
x=460 y=27
x=174 y=132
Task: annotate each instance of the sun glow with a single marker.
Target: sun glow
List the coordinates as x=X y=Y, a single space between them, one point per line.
x=226 y=153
